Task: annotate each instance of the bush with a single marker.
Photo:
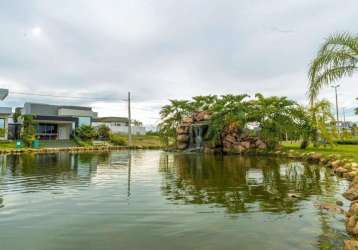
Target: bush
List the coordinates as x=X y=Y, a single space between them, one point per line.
x=28 y=133
x=103 y=132
x=86 y=132
x=118 y=140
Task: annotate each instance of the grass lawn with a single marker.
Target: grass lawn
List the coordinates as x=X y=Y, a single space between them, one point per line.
x=142 y=140
x=7 y=144
x=344 y=151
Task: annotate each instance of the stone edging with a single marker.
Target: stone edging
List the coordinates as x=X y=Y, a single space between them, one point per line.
x=344 y=168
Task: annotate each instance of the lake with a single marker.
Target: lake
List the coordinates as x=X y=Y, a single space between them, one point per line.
x=158 y=200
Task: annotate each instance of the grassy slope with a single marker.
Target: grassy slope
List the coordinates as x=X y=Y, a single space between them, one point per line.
x=345 y=151
x=146 y=140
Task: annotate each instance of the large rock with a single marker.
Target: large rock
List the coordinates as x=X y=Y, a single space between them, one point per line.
x=182 y=130
x=231 y=139
x=351 y=194
x=245 y=144
x=181 y=145
x=350 y=245
x=187 y=120
x=202 y=116
x=182 y=138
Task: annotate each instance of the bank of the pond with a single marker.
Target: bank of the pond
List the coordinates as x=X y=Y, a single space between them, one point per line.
x=72 y=149
x=343 y=164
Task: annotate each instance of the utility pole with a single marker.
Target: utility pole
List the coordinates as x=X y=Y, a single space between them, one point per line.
x=129 y=121
x=337 y=110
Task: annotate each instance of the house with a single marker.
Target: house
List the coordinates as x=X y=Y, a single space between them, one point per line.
x=118 y=125
x=58 y=122
x=5 y=113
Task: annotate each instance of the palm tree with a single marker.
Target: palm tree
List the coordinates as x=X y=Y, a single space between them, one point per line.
x=338 y=57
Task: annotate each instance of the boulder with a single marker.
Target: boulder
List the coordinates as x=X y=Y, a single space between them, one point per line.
x=182 y=138
x=350 y=175
x=181 y=145
x=340 y=171
x=182 y=130
x=245 y=144
x=351 y=194
x=188 y=120
x=331 y=207
x=238 y=149
x=350 y=245
x=202 y=116
x=230 y=139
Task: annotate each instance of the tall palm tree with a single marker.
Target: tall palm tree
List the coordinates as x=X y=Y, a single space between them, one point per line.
x=338 y=57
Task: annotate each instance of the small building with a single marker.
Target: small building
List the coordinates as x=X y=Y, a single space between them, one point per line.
x=57 y=122
x=5 y=113
x=118 y=125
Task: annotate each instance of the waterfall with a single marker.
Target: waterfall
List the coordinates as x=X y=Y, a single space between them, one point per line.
x=195 y=137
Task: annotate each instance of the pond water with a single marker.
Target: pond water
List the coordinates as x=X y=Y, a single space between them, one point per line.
x=158 y=200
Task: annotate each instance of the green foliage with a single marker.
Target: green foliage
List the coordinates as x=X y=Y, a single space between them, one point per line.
x=17 y=114
x=338 y=57
x=118 y=140
x=103 y=132
x=86 y=132
x=276 y=118
x=2 y=132
x=28 y=132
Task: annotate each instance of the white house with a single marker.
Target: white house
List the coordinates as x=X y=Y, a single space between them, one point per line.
x=5 y=113
x=118 y=125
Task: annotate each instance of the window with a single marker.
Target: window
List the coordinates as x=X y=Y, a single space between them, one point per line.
x=2 y=123
x=84 y=121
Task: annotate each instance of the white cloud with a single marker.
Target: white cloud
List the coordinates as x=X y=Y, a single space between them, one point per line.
x=160 y=49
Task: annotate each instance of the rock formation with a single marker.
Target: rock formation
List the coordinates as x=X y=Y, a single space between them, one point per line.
x=232 y=139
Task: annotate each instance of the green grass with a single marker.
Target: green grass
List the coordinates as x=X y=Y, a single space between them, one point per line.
x=7 y=144
x=143 y=140
x=343 y=151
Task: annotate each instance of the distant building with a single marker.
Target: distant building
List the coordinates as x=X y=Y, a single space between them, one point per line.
x=5 y=113
x=58 y=122
x=118 y=125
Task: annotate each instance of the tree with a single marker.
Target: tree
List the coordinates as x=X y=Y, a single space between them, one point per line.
x=103 y=132
x=171 y=115
x=137 y=123
x=86 y=132
x=17 y=114
x=28 y=132
x=338 y=57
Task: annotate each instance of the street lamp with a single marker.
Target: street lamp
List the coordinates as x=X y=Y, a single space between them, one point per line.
x=335 y=89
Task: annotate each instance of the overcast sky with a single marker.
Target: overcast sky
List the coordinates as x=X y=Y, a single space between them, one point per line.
x=160 y=49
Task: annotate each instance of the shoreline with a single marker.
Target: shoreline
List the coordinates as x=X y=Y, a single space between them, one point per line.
x=21 y=151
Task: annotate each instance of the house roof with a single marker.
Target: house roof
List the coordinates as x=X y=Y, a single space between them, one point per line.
x=111 y=119
x=5 y=110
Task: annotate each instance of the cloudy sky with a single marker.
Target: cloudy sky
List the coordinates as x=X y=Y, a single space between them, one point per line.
x=160 y=49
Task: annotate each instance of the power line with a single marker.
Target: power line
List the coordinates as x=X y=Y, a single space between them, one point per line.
x=64 y=96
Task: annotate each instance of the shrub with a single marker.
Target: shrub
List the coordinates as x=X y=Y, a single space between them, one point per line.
x=86 y=132
x=28 y=133
x=117 y=139
x=2 y=132
x=103 y=132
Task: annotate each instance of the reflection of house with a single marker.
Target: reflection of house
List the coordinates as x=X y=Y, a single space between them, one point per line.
x=58 y=122
x=118 y=125
x=4 y=118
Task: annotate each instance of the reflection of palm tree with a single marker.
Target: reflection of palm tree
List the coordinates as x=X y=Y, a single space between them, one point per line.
x=206 y=179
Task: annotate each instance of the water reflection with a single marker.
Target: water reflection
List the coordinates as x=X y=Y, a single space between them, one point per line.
x=161 y=196
x=33 y=173
x=241 y=184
